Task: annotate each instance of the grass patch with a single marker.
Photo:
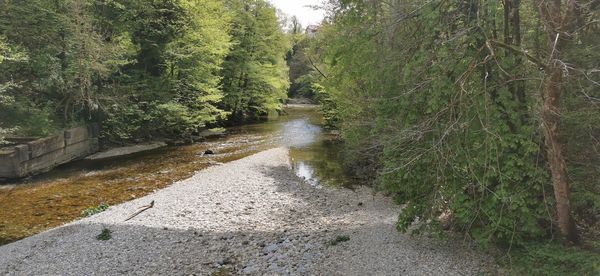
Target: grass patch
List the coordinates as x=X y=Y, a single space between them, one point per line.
x=88 y=212
x=555 y=259
x=339 y=239
x=105 y=235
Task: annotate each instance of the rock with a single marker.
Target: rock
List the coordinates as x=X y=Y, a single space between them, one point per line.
x=225 y=261
x=270 y=248
x=208 y=152
x=250 y=269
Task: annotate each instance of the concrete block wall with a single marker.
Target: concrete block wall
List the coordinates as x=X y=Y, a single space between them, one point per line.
x=46 y=153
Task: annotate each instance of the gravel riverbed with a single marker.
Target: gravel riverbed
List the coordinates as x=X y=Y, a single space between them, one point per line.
x=251 y=216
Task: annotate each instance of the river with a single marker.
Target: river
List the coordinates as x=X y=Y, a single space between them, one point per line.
x=38 y=203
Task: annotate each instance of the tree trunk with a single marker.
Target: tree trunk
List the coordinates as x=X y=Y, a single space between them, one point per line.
x=554 y=151
x=558 y=21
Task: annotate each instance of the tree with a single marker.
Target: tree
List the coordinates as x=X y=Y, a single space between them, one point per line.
x=7 y=53
x=295 y=26
x=89 y=60
x=254 y=73
x=193 y=62
x=173 y=85
x=559 y=21
x=142 y=68
x=68 y=58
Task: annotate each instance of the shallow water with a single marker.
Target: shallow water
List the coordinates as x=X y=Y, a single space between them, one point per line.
x=33 y=205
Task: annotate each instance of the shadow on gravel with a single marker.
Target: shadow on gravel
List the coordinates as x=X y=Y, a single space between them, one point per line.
x=317 y=199
x=369 y=221
x=75 y=250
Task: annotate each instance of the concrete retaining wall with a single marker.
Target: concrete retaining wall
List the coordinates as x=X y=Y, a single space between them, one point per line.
x=46 y=153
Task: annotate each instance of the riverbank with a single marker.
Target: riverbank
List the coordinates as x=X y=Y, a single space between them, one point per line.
x=72 y=188
x=262 y=219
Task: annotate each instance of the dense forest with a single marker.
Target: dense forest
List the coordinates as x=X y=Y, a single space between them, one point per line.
x=142 y=68
x=481 y=117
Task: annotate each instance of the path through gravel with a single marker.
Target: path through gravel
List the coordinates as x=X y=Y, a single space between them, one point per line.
x=251 y=216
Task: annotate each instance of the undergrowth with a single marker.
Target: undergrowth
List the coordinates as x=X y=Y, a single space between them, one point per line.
x=554 y=259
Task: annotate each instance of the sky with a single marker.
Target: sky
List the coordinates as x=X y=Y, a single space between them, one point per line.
x=306 y=15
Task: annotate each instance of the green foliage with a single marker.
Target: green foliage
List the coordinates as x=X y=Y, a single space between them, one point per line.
x=254 y=73
x=446 y=120
x=122 y=123
x=195 y=61
x=17 y=113
x=28 y=121
x=552 y=259
x=10 y=53
x=105 y=235
x=327 y=107
x=582 y=149
x=302 y=74
x=88 y=212
x=173 y=85
x=580 y=116
x=142 y=68
x=177 y=119
x=67 y=56
x=7 y=53
x=5 y=132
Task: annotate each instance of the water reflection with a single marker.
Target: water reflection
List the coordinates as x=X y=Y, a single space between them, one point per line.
x=314 y=154
x=299 y=133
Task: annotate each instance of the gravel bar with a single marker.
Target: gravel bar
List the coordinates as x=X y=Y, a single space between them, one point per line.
x=252 y=216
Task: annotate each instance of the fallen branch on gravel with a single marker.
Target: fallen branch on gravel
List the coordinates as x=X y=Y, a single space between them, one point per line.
x=143 y=208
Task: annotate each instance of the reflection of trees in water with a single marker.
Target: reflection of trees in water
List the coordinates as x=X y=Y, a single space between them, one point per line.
x=321 y=162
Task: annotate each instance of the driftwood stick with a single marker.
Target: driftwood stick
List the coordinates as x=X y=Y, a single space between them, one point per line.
x=143 y=208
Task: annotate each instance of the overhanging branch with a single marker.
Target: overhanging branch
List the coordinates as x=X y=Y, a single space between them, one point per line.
x=316 y=68
x=514 y=49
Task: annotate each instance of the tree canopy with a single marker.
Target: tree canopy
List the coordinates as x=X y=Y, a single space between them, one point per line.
x=142 y=68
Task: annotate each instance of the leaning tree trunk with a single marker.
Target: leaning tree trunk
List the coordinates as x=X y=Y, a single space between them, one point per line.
x=554 y=151
x=558 y=27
